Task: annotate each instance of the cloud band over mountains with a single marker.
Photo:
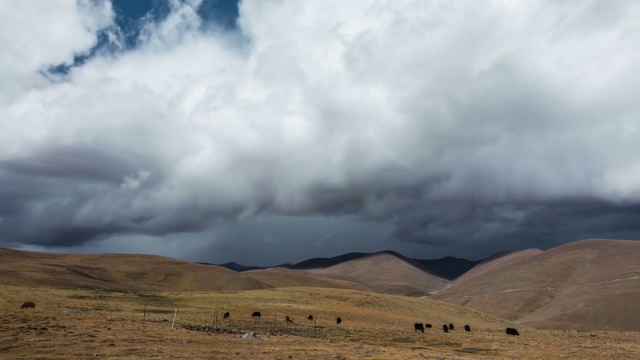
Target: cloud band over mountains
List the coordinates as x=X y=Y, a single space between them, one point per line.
x=447 y=123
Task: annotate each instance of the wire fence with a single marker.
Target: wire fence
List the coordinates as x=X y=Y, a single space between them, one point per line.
x=215 y=321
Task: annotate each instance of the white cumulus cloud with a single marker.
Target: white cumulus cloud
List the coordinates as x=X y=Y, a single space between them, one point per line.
x=388 y=110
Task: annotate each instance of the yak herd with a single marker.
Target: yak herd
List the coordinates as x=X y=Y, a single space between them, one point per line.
x=446 y=328
x=257 y=314
x=416 y=327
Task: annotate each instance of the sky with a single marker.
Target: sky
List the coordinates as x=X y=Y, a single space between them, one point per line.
x=272 y=131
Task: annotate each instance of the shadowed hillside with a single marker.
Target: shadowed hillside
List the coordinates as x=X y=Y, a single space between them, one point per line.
x=447 y=268
x=387 y=273
x=591 y=284
x=317 y=263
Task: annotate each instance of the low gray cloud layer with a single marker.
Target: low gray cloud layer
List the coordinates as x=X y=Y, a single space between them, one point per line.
x=318 y=127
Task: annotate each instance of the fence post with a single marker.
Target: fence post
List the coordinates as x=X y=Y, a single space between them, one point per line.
x=144 y=314
x=175 y=313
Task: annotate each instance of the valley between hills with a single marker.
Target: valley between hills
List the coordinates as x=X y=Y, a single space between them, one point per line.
x=578 y=300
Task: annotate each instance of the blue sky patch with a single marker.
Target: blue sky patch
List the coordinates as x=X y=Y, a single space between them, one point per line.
x=131 y=15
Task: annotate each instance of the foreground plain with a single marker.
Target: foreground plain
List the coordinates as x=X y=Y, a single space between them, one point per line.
x=83 y=323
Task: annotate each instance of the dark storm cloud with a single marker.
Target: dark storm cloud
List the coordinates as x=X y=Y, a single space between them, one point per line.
x=518 y=225
x=457 y=126
x=44 y=193
x=75 y=163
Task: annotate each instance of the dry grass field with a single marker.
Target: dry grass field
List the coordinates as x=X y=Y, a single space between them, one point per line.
x=82 y=323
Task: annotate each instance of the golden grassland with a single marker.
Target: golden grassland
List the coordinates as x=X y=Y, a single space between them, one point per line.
x=129 y=272
x=83 y=323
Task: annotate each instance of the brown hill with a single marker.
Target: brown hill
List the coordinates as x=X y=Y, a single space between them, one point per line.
x=387 y=273
x=281 y=277
x=590 y=284
x=116 y=272
x=125 y=272
x=496 y=263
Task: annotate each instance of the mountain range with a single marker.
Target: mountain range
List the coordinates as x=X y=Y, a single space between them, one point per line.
x=447 y=268
x=584 y=285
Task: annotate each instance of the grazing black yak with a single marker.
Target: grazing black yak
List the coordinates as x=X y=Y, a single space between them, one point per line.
x=256 y=314
x=310 y=317
x=338 y=321
x=418 y=326
x=450 y=326
x=28 y=305
x=512 y=331
x=428 y=326
x=445 y=328
x=226 y=315
x=467 y=328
